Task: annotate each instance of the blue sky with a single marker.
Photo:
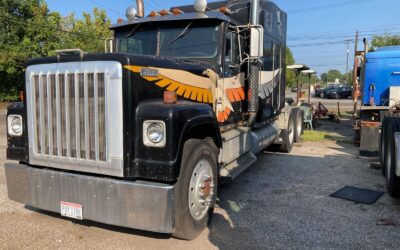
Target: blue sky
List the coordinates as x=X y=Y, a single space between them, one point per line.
x=317 y=30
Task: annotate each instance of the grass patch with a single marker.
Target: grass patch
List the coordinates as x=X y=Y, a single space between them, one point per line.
x=323 y=136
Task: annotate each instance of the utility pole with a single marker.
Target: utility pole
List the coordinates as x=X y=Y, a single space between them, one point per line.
x=355 y=85
x=347 y=61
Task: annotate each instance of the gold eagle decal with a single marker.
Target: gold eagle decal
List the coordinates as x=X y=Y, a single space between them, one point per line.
x=204 y=89
x=198 y=90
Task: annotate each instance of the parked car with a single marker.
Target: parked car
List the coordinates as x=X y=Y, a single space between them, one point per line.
x=322 y=92
x=340 y=92
x=294 y=90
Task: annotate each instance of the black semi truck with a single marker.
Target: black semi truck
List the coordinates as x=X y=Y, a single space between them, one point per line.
x=141 y=136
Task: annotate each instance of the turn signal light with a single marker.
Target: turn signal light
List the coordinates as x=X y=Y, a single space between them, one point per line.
x=21 y=96
x=120 y=20
x=169 y=97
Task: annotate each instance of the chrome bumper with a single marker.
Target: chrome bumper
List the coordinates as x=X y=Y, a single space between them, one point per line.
x=140 y=205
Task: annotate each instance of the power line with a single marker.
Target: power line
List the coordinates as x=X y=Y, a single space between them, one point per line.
x=317 y=44
x=152 y=3
x=342 y=34
x=345 y=31
x=105 y=7
x=328 y=6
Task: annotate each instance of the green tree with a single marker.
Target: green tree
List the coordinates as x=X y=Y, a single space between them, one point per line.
x=385 y=40
x=89 y=33
x=28 y=30
x=290 y=76
x=331 y=75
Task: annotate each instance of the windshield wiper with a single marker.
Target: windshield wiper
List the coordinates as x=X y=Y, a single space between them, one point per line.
x=182 y=34
x=132 y=31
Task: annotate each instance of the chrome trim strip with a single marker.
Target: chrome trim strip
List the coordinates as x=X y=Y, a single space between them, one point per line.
x=41 y=114
x=58 y=107
x=67 y=123
x=49 y=115
x=86 y=108
x=31 y=111
x=96 y=115
x=77 y=126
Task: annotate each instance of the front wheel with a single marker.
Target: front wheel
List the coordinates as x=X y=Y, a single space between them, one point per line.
x=299 y=124
x=196 y=189
x=322 y=95
x=287 y=135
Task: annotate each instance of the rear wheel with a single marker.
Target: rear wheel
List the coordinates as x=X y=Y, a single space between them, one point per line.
x=382 y=144
x=392 y=181
x=287 y=135
x=196 y=189
x=299 y=124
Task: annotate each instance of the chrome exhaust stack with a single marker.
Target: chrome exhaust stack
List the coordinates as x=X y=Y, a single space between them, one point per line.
x=253 y=92
x=140 y=8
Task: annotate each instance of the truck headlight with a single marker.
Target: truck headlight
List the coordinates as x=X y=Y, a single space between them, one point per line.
x=154 y=133
x=15 y=127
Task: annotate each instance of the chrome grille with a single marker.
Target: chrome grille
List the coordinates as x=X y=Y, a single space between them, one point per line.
x=70 y=122
x=80 y=123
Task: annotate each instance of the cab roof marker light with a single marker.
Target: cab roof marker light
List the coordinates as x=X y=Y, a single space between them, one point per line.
x=177 y=11
x=164 y=12
x=225 y=10
x=153 y=14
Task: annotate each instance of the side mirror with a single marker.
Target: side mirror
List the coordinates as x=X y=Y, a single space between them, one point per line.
x=256 y=42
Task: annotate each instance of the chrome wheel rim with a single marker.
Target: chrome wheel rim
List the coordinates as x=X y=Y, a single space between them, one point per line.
x=201 y=189
x=299 y=125
x=388 y=163
x=291 y=132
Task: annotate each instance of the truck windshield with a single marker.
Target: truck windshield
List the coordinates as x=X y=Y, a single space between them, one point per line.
x=184 y=40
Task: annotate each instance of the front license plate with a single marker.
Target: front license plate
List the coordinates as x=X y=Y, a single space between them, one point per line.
x=71 y=210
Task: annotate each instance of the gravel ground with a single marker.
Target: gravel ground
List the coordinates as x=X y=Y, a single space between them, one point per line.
x=280 y=202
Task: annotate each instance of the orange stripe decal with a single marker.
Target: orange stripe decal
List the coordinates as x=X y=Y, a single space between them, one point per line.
x=241 y=93
x=173 y=86
x=236 y=94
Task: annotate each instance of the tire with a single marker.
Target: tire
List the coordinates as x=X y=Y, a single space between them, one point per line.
x=199 y=161
x=382 y=144
x=299 y=124
x=337 y=96
x=287 y=135
x=322 y=95
x=392 y=181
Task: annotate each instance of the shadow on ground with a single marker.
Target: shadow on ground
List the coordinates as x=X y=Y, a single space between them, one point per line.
x=283 y=202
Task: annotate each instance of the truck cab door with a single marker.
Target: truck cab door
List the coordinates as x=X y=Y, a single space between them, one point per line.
x=231 y=92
